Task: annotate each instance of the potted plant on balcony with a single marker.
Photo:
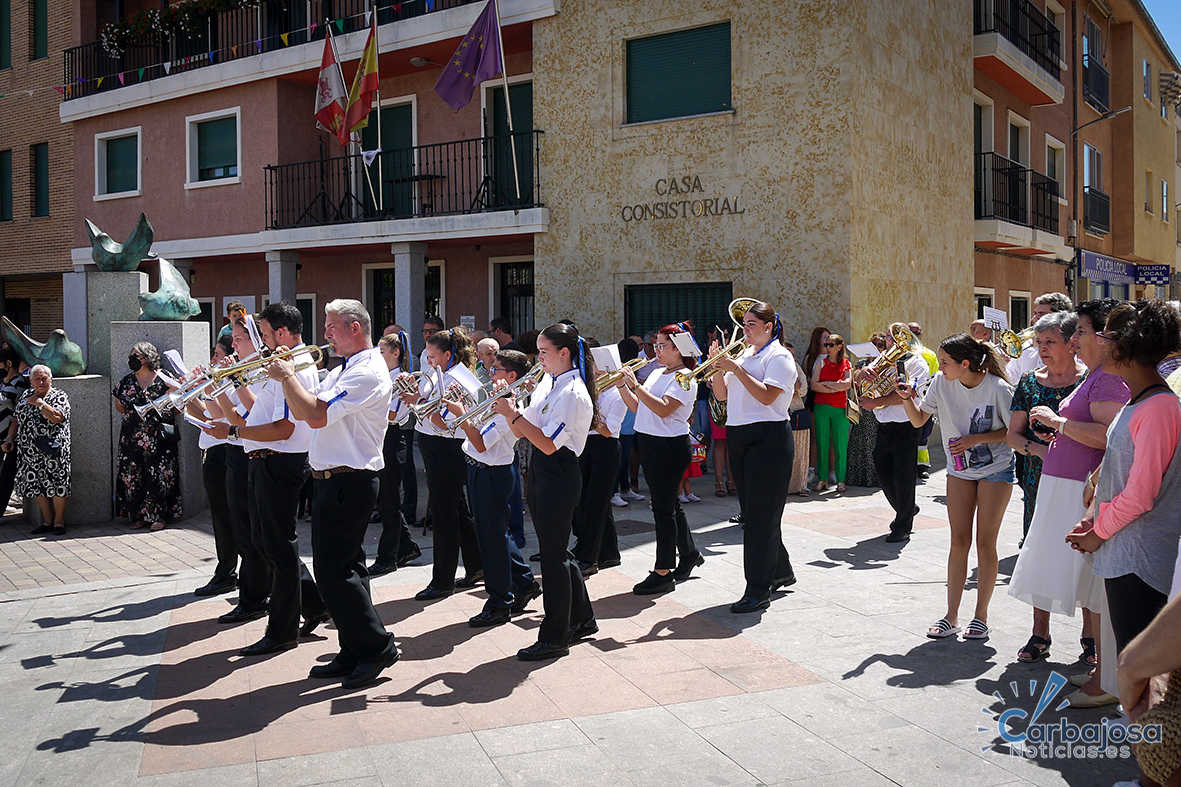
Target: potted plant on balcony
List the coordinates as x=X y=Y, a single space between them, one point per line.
x=185 y=19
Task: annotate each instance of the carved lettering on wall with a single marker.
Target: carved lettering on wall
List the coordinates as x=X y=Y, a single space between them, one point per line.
x=680 y=203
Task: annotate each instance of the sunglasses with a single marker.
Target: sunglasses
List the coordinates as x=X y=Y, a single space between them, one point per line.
x=834 y=344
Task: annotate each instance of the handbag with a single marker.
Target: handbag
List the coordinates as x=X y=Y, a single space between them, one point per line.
x=47 y=445
x=852 y=408
x=697 y=449
x=169 y=433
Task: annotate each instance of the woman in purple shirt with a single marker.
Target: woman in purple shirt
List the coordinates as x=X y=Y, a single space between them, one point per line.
x=1049 y=575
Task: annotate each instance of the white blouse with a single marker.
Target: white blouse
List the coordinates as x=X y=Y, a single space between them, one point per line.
x=662 y=383
x=774 y=366
x=565 y=413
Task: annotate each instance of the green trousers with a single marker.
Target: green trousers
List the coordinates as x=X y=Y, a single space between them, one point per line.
x=832 y=422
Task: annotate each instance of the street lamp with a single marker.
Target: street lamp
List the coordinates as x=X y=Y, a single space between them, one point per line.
x=1104 y=116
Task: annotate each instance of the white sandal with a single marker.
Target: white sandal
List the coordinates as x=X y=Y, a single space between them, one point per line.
x=942 y=629
x=977 y=629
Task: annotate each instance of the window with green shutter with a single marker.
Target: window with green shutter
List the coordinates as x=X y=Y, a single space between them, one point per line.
x=39 y=169
x=39 y=29
x=217 y=148
x=5 y=34
x=649 y=307
x=5 y=185
x=122 y=156
x=679 y=74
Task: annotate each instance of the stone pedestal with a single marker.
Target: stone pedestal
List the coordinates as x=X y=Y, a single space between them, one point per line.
x=91 y=490
x=110 y=297
x=191 y=340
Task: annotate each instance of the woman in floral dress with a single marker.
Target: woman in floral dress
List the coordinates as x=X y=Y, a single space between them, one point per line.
x=148 y=485
x=40 y=434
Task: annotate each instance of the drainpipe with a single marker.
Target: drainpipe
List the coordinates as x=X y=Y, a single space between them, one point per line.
x=1076 y=192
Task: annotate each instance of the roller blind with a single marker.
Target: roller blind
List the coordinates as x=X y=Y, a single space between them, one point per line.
x=679 y=74
x=122 y=164
x=217 y=148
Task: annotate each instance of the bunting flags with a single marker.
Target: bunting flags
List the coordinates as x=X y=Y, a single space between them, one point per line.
x=283 y=38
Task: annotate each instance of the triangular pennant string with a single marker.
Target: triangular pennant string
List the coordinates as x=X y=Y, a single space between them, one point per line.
x=99 y=83
x=340 y=25
x=167 y=67
x=122 y=79
x=283 y=38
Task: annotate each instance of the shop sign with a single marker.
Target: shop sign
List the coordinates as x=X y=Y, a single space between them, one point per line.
x=1100 y=267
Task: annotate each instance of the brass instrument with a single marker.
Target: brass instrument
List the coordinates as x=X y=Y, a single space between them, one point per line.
x=880 y=377
x=605 y=380
x=188 y=388
x=251 y=371
x=407 y=383
x=734 y=349
x=482 y=413
x=717 y=409
x=454 y=391
x=1013 y=344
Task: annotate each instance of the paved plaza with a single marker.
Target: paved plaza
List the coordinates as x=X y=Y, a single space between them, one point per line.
x=114 y=673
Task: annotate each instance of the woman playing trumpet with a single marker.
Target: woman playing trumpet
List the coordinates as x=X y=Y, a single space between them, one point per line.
x=757 y=388
x=662 y=408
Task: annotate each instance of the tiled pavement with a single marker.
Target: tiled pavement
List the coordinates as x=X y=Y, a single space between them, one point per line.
x=112 y=672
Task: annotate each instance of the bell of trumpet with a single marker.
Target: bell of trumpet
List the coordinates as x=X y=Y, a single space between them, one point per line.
x=249 y=369
x=161 y=405
x=605 y=380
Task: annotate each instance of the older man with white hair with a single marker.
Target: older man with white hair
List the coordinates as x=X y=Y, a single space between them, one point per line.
x=486 y=350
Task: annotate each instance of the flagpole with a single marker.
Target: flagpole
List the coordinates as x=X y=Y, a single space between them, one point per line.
x=328 y=28
x=380 y=151
x=512 y=140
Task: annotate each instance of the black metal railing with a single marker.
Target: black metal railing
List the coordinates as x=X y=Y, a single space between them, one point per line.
x=1096 y=210
x=445 y=178
x=1043 y=202
x=1025 y=26
x=228 y=35
x=1002 y=189
x=1096 y=84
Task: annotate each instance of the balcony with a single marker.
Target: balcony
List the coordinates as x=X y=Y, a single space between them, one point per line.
x=1018 y=46
x=1016 y=208
x=1096 y=85
x=464 y=177
x=227 y=35
x=1096 y=211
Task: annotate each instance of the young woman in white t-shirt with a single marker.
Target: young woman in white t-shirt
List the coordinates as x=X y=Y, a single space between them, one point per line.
x=971 y=396
x=662 y=409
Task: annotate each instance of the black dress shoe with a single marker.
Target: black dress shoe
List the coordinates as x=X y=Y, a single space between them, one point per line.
x=490 y=617
x=749 y=604
x=265 y=646
x=587 y=628
x=685 y=566
x=610 y=563
x=470 y=580
x=241 y=614
x=787 y=580
x=409 y=556
x=655 y=583
x=366 y=672
x=430 y=593
x=898 y=536
x=381 y=569
x=588 y=569
x=736 y=519
x=337 y=668
x=540 y=651
x=523 y=597
x=217 y=586
x=309 y=624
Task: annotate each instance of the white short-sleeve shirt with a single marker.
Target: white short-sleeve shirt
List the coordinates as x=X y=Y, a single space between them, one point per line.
x=358 y=396
x=919 y=375
x=456 y=374
x=565 y=413
x=612 y=410
x=499 y=443
x=662 y=383
x=270 y=405
x=774 y=366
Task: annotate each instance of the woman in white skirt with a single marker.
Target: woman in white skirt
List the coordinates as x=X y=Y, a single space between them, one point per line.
x=1050 y=576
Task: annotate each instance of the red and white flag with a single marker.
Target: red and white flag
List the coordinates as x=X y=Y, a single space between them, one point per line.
x=331 y=96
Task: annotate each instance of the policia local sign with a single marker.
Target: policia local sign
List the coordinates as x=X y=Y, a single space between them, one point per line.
x=1100 y=267
x=681 y=198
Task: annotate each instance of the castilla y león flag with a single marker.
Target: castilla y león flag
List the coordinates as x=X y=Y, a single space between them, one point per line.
x=364 y=83
x=478 y=58
x=330 y=95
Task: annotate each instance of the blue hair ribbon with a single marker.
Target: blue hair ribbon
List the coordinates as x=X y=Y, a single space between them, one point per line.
x=404 y=340
x=451 y=342
x=778 y=327
x=582 y=358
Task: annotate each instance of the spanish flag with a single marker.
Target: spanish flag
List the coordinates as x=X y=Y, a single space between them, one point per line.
x=364 y=83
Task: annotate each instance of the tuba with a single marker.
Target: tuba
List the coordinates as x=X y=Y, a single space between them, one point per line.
x=734 y=349
x=880 y=377
x=1013 y=344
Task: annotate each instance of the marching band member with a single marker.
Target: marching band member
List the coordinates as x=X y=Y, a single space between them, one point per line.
x=490 y=452
x=348 y=418
x=396 y=547
x=596 y=543
x=557 y=426
x=451 y=355
x=662 y=409
x=757 y=389
x=276 y=447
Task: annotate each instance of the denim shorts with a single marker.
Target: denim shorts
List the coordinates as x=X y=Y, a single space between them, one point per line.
x=1006 y=476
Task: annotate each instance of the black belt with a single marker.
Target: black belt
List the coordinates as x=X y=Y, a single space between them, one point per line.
x=321 y=475
x=261 y=453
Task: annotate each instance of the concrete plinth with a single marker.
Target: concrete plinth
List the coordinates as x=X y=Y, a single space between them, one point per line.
x=90 y=451
x=110 y=297
x=191 y=340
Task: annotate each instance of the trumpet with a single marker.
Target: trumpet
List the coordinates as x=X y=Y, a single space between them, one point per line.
x=733 y=350
x=406 y=383
x=1013 y=344
x=454 y=391
x=251 y=371
x=481 y=414
x=190 y=386
x=880 y=377
x=605 y=380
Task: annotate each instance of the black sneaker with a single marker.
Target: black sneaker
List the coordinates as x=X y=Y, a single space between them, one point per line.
x=656 y=583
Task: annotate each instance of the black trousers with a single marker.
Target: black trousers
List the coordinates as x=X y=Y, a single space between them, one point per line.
x=213 y=473
x=7 y=478
x=340 y=514
x=759 y=454
x=555 y=482
x=1132 y=604
x=594 y=523
x=254 y=572
x=405 y=447
x=452 y=528
x=665 y=460
x=395 y=538
x=894 y=459
x=506 y=572
x=275 y=482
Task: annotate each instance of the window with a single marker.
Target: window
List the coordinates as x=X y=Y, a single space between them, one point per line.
x=1164 y=109
x=1093 y=41
x=1018 y=310
x=983 y=298
x=38 y=29
x=1092 y=168
x=1148 y=191
x=1164 y=200
x=5 y=34
x=678 y=74
x=1018 y=139
x=1147 y=82
x=648 y=306
x=1055 y=158
x=214 y=148
x=39 y=178
x=5 y=185
x=116 y=164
